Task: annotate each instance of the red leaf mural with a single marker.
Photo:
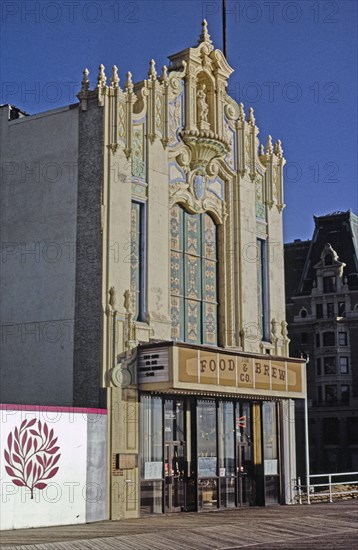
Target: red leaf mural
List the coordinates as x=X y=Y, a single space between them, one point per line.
x=31 y=423
x=18 y=482
x=51 y=473
x=28 y=468
x=10 y=471
x=40 y=485
x=53 y=450
x=31 y=458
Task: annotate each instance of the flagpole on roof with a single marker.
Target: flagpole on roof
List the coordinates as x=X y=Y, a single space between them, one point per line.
x=224 y=27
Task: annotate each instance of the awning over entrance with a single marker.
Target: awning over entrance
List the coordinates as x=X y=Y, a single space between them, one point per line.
x=173 y=366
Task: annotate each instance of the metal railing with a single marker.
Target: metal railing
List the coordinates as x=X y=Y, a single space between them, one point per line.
x=310 y=489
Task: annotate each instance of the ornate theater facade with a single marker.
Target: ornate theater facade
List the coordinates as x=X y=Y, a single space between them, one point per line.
x=195 y=355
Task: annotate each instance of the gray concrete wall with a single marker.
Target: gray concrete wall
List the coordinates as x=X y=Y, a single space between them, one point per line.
x=39 y=157
x=96 y=482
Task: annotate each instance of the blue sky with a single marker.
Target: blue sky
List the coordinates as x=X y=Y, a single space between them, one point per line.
x=295 y=63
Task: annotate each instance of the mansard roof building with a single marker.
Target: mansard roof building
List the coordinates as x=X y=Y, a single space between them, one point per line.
x=143 y=285
x=322 y=312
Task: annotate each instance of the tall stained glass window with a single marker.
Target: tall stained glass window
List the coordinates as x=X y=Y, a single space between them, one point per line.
x=193 y=277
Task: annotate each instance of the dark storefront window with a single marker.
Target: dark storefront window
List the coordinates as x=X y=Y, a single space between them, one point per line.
x=151 y=444
x=270 y=447
x=197 y=454
x=227 y=454
x=207 y=454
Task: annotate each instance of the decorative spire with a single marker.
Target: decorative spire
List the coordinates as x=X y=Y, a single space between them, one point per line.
x=102 y=79
x=251 y=119
x=152 y=72
x=269 y=146
x=85 y=81
x=262 y=150
x=129 y=83
x=205 y=36
x=241 y=113
x=115 y=77
x=165 y=74
x=278 y=149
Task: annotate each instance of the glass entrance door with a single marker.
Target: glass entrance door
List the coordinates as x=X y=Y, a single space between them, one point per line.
x=243 y=478
x=174 y=456
x=174 y=491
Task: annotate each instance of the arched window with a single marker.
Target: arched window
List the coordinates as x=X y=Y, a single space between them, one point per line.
x=193 y=277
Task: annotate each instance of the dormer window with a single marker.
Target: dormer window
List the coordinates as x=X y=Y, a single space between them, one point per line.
x=328 y=259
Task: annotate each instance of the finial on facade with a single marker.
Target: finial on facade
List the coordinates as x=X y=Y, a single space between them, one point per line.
x=205 y=36
x=129 y=83
x=115 y=77
x=102 y=79
x=85 y=81
x=269 y=146
x=251 y=118
x=278 y=149
x=262 y=150
x=152 y=72
x=165 y=74
x=241 y=113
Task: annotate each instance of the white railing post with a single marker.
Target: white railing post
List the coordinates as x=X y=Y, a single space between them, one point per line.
x=330 y=487
x=307 y=440
x=299 y=490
